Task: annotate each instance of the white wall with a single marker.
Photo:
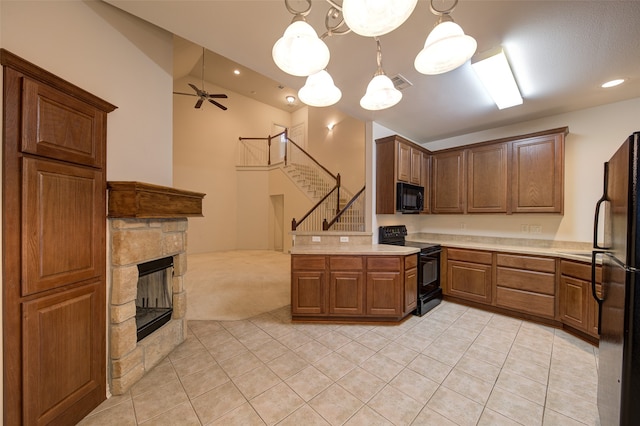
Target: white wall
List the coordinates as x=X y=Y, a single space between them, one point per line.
x=115 y=56
x=594 y=135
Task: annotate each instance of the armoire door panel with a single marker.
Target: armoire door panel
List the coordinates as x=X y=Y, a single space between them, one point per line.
x=65 y=323
x=59 y=126
x=62 y=226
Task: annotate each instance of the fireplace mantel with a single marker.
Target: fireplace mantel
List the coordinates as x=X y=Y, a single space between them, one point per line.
x=144 y=200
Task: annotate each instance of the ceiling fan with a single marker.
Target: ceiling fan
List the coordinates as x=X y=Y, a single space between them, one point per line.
x=202 y=94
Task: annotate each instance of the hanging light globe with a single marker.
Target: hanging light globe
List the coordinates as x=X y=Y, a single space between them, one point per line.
x=299 y=51
x=446 y=48
x=380 y=94
x=319 y=90
x=372 y=18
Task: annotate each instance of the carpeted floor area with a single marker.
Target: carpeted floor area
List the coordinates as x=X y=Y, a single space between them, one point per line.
x=238 y=284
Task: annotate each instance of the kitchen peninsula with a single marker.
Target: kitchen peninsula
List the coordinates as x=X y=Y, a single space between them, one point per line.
x=343 y=277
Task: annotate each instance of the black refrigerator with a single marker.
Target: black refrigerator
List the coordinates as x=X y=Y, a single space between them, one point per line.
x=619 y=302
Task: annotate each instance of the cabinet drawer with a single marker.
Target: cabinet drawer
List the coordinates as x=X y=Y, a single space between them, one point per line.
x=472 y=256
x=345 y=263
x=410 y=261
x=384 y=263
x=580 y=270
x=542 y=264
x=308 y=262
x=533 y=303
x=538 y=282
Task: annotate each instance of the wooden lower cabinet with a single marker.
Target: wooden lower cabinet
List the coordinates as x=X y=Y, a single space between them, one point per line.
x=383 y=297
x=526 y=283
x=469 y=275
x=578 y=309
x=355 y=287
x=346 y=293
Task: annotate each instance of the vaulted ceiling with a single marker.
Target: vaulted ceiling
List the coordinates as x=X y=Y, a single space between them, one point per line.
x=560 y=52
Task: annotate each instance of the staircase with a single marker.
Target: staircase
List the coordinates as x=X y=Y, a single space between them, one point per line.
x=318 y=183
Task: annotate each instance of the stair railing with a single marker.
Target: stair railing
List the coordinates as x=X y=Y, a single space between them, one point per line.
x=256 y=152
x=348 y=222
x=312 y=220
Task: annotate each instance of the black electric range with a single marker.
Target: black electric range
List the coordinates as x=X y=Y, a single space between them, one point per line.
x=429 y=290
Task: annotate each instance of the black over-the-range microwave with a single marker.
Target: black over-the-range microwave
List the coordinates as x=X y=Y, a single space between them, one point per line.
x=409 y=198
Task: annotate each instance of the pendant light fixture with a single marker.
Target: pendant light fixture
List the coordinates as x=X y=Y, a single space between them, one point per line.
x=447 y=47
x=380 y=94
x=319 y=90
x=372 y=18
x=300 y=51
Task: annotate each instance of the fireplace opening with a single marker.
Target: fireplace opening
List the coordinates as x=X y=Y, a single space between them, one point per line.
x=154 y=303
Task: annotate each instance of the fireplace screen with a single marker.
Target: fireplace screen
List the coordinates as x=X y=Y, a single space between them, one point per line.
x=154 y=299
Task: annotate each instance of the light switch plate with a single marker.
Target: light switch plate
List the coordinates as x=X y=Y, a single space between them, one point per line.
x=315 y=239
x=344 y=239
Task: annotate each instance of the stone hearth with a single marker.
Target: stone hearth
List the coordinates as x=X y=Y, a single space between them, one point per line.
x=135 y=241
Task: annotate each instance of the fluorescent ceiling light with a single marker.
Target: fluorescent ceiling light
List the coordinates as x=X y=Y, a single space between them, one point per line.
x=497 y=78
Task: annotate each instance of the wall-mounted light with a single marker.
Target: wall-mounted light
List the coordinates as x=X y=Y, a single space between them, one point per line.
x=612 y=83
x=496 y=76
x=330 y=126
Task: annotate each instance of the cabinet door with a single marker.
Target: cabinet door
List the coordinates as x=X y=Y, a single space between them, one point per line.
x=63 y=353
x=308 y=292
x=448 y=182
x=487 y=179
x=469 y=281
x=383 y=294
x=426 y=182
x=404 y=163
x=415 y=176
x=63 y=225
x=538 y=175
x=57 y=125
x=346 y=293
x=410 y=289
x=573 y=302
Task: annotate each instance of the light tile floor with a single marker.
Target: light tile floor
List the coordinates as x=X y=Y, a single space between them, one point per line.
x=454 y=366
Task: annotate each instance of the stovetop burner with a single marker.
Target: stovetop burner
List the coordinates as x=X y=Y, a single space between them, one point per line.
x=395 y=235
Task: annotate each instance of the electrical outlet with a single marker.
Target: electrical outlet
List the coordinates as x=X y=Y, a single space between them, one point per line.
x=536 y=229
x=344 y=239
x=315 y=239
x=524 y=228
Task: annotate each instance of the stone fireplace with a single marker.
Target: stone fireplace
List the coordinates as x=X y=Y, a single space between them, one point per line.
x=147 y=223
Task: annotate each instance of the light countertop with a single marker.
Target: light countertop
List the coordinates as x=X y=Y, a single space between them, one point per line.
x=348 y=249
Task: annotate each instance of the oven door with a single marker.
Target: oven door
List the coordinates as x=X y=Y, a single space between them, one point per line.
x=428 y=273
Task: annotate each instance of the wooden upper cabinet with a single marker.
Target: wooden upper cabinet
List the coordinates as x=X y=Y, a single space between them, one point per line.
x=448 y=182
x=538 y=174
x=56 y=125
x=398 y=160
x=487 y=177
x=403 y=168
x=426 y=182
x=416 y=167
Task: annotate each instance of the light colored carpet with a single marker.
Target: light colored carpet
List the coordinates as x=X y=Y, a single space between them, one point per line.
x=234 y=285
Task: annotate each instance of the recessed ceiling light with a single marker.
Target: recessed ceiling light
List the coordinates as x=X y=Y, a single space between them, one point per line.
x=236 y=72
x=613 y=83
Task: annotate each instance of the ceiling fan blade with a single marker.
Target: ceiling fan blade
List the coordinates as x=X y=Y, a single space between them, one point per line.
x=182 y=93
x=198 y=91
x=222 y=107
x=218 y=95
x=199 y=103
